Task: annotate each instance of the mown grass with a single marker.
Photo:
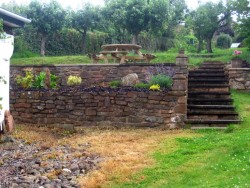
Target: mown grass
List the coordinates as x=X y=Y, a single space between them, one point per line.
x=211 y=159
x=224 y=55
x=51 y=60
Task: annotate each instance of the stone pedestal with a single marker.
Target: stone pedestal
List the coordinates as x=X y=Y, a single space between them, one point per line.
x=236 y=63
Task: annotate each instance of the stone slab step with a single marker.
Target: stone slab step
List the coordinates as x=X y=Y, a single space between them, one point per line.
x=207 y=85
x=215 y=80
x=209 y=100
x=213 y=76
x=212 y=122
x=206 y=127
x=213 y=117
x=213 y=107
x=209 y=103
x=207 y=71
x=215 y=112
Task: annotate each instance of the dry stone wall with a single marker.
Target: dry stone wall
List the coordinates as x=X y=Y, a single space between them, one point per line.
x=91 y=74
x=239 y=75
x=101 y=106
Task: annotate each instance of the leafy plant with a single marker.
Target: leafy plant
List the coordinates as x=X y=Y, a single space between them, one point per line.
x=224 y=41
x=142 y=85
x=26 y=81
x=39 y=81
x=115 y=83
x=74 y=80
x=162 y=80
x=155 y=87
x=53 y=81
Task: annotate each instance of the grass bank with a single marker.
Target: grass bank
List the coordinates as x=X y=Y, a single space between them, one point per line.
x=211 y=159
x=169 y=57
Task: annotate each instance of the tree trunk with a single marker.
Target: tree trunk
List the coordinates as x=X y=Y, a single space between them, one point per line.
x=209 y=45
x=135 y=39
x=43 y=42
x=199 y=47
x=84 y=39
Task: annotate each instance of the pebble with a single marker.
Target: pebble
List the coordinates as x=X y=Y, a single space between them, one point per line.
x=21 y=169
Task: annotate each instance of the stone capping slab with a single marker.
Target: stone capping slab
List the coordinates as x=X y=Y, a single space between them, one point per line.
x=103 y=65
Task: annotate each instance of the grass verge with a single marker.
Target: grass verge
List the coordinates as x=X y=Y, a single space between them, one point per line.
x=211 y=159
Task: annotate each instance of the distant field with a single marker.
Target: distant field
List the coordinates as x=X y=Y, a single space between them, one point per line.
x=162 y=57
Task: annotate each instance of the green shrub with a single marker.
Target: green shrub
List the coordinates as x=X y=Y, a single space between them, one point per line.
x=115 y=83
x=224 y=41
x=74 y=80
x=53 y=81
x=163 y=80
x=142 y=85
x=25 y=81
x=39 y=81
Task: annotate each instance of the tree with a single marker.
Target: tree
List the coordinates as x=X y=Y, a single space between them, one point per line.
x=46 y=18
x=242 y=8
x=85 y=19
x=138 y=15
x=206 y=20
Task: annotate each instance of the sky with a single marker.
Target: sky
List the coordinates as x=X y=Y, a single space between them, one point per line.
x=192 y=4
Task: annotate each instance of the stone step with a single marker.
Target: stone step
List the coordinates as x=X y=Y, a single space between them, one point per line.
x=207 y=85
x=207 y=71
x=209 y=95
x=209 y=89
x=207 y=107
x=206 y=127
x=212 y=122
x=208 y=75
x=212 y=68
x=207 y=80
x=222 y=112
x=210 y=101
x=213 y=117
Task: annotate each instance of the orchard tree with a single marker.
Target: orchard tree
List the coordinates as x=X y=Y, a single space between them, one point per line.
x=138 y=15
x=242 y=8
x=206 y=20
x=46 y=18
x=85 y=19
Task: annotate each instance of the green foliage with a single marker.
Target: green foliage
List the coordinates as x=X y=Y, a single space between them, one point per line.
x=85 y=19
x=224 y=41
x=53 y=81
x=115 y=83
x=142 y=85
x=36 y=81
x=155 y=87
x=46 y=19
x=1 y=26
x=39 y=81
x=162 y=80
x=230 y=129
x=74 y=80
x=205 y=20
x=25 y=81
x=184 y=160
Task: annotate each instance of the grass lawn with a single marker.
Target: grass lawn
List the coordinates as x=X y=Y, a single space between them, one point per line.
x=162 y=57
x=157 y=158
x=210 y=159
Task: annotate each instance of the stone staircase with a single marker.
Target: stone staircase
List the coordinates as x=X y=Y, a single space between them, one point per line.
x=209 y=101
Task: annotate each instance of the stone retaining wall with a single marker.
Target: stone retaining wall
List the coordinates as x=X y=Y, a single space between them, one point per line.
x=102 y=106
x=85 y=108
x=91 y=74
x=239 y=75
